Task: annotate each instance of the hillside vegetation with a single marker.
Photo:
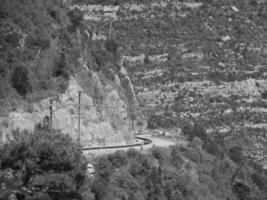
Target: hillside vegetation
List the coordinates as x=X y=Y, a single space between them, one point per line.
x=48 y=165
x=196 y=66
x=48 y=52
x=180 y=173
x=43 y=43
x=195 y=61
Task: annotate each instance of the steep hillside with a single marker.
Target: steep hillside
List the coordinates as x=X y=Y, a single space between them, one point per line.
x=195 y=69
x=47 y=53
x=194 y=61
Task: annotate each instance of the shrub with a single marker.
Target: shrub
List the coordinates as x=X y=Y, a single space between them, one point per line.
x=174 y=184
x=236 y=154
x=20 y=80
x=122 y=179
x=195 y=129
x=253 y=2
x=2 y=87
x=132 y=153
x=176 y=157
x=213 y=148
x=259 y=180
x=164 y=121
x=76 y=17
x=176 y=195
x=192 y=154
x=118 y=159
x=152 y=122
x=140 y=166
x=207 y=180
x=108 y=71
x=241 y=191
x=61 y=68
x=264 y=94
x=13 y=39
x=182 y=182
x=111 y=45
x=62 y=86
x=99 y=188
x=196 y=142
x=103 y=167
x=159 y=154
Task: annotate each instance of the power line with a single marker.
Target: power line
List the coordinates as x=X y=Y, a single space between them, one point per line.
x=130 y=112
x=79 y=118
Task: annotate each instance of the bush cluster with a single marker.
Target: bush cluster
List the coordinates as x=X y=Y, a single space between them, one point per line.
x=76 y=17
x=51 y=166
x=174 y=173
x=20 y=80
x=47 y=164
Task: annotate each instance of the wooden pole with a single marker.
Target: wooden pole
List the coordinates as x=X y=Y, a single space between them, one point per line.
x=79 y=117
x=110 y=29
x=51 y=113
x=132 y=118
x=1 y=138
x=129 y=116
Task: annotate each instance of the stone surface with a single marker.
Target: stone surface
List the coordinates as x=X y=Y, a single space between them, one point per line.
x=105 y=124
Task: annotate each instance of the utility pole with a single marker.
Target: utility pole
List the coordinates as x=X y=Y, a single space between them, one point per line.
x=132 y=118
x=51 y=113
x=129 y=119
x=110 y=29
x=79 y=117
x=1 y=138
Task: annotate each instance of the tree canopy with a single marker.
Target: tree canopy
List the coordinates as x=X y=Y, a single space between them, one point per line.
x=45 y=164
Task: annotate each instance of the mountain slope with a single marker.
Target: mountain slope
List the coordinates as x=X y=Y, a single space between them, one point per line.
x=47 y=52
x=194 y=61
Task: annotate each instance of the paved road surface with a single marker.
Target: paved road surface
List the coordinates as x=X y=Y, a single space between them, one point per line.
x=159 y=142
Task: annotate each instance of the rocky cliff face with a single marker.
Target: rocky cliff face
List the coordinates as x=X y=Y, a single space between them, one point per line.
x=102 y=124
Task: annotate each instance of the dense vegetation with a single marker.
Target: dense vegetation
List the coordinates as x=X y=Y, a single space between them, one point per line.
x=42 y=44
x=34 y=37
x=48 y=165
x=180 y=172
x=42 y=165
x=211 y=51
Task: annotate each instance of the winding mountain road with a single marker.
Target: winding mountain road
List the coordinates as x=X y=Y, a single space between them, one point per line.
x=153 y=141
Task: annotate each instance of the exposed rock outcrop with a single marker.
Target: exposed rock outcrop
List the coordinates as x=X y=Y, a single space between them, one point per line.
x=101 y=124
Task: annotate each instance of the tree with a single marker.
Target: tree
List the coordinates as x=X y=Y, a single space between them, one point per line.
x=62 y=68
x=76 y=17
x=236 y=154
x=195 y=129
x=241 y=190
x=20 y=80
x=118 y=159
x=111 y=45
x=47 y=163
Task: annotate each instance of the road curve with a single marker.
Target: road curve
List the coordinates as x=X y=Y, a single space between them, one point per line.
x=142 y=141
x=147 y=140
